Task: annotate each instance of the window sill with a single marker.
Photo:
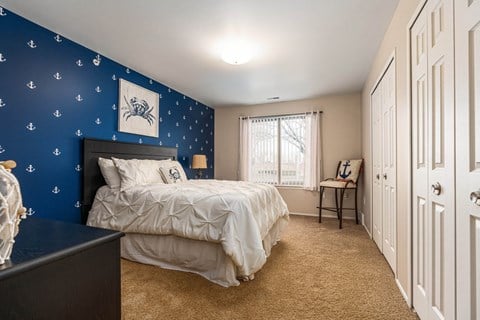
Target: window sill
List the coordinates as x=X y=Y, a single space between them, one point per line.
x=291 y=187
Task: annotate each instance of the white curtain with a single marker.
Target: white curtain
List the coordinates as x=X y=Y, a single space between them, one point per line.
x=313 y=152
x=244 y=150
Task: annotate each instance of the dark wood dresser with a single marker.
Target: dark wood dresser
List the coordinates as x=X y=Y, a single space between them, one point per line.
x=59 y=270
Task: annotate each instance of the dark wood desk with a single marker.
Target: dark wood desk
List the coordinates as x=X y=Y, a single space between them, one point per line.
x=59 y=270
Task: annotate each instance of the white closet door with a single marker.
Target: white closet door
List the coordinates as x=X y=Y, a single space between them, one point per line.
x=433 y=162
x=421 y=243
x=383 y=100
x=467 y=104
x=377 y=223
x=389 y=188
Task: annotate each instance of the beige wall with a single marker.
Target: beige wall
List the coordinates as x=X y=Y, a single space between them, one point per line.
x=395 y=39
x=341 y=138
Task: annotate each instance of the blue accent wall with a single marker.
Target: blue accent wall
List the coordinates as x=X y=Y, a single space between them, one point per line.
x=52 y=95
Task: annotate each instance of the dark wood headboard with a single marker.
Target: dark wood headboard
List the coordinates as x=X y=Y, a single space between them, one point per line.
x=93 y=149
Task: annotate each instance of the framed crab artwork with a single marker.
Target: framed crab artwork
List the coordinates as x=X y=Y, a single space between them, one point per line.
x=138 y=109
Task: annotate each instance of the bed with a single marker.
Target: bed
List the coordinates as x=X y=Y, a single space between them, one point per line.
x=221 y=230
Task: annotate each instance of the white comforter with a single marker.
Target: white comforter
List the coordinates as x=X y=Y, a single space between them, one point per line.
x=236 y=214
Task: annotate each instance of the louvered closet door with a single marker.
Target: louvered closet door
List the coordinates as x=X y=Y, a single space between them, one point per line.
x=433 y=161
x=467 y=104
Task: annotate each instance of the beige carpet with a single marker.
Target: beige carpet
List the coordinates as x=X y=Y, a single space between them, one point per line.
x=316 y=272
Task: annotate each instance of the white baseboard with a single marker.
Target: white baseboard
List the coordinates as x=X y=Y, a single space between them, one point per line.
x=304 y=214
x=328 y=215
x=403 y=293
x=365 y=226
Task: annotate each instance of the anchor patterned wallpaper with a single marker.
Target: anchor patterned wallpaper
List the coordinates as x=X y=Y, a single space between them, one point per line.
x=54 y=92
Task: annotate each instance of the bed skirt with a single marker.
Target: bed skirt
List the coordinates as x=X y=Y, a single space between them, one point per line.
x=206 y=259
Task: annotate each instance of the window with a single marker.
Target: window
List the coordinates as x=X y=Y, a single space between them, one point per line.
x=277 y=153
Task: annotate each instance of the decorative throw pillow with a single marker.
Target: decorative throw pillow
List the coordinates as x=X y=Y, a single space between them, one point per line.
x=173 y=173
x=349 y=170
x=109 y=172
x=135 y=172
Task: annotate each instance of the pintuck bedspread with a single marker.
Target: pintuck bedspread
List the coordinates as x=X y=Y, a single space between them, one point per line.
x=237 y=215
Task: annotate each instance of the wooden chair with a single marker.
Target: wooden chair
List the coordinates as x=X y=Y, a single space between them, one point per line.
x=348 y=173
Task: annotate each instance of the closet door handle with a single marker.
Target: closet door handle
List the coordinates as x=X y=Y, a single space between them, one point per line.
x=385 y=176
x=378 y=176
x=475 y=197
x=436 y=188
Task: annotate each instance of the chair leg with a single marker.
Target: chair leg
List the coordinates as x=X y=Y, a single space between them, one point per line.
x=342 y=192
x=320 y=207
x=336 y=203
x=356 y=207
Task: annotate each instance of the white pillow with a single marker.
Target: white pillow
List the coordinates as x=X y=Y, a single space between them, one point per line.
x=109 y=172
x=173 y=173
x=135 y=172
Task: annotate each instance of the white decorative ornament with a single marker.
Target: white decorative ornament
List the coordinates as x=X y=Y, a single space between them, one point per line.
x=30 y=212
x=114 y=77
x=150 y=81
x=79 y=98
x=11 y=212
x=56 y=190
x=114 y=107
x=78 y=204
x=98 y=121
x=114 y=137
x=2 y=13
x=140 y=141
x=2 y=150
x=96 y=61
x=30 y=126
x=31 y=44
x=79 y=133
x=30 y=168
x=79 y=63
x=56 y=152
x=98 y=89
x=57 y=114
x=2 y=103
x=78 y=168
x=57 y=76
x=31 y=85
x=2 y=58
x=58 y=38
x=127 y=70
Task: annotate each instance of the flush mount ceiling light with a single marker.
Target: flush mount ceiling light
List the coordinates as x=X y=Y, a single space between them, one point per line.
x=236 y=52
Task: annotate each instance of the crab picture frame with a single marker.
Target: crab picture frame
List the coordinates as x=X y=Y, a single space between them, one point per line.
x=138 y=109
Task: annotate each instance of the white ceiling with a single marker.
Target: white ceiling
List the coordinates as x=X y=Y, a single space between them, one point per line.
x=306 y=48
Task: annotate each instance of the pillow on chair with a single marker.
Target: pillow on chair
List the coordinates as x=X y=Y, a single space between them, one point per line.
x=349 y=170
